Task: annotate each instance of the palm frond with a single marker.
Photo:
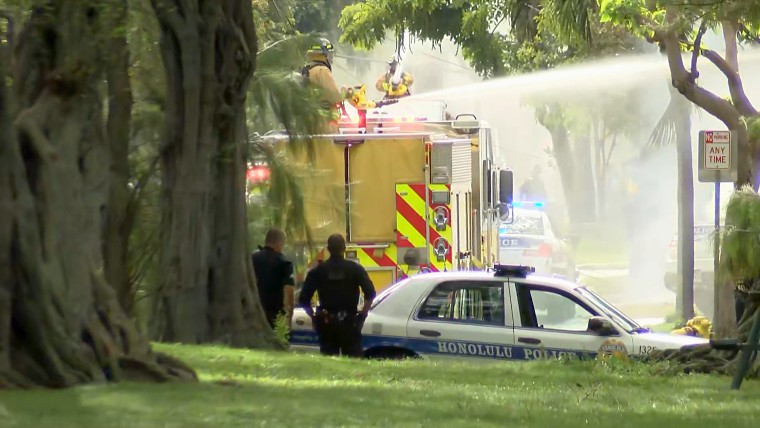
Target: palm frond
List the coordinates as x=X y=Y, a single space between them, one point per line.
x=569 y=17
x=664 y=132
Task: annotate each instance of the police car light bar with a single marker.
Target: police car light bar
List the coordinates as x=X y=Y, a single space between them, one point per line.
x=528 y=204
x=513 y=270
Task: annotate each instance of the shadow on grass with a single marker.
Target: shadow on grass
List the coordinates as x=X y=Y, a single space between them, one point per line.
x=259 y=403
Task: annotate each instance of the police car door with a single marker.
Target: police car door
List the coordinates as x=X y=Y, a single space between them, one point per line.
x=550 y=322
x=463 y=319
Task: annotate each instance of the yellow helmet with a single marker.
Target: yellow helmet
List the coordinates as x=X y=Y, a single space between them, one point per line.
x=324 y=51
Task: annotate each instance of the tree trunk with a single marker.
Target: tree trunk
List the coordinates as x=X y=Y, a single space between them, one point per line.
x=551 y=118
x=208 y=293
x=584 y=189
x=119 y=213
x=60 y=322
x=685 y=292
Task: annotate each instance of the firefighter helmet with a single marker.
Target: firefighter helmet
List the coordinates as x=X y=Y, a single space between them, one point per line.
x=324 y=50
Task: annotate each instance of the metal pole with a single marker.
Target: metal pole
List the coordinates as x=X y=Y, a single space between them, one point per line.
x=426 y=170
x=716 y=252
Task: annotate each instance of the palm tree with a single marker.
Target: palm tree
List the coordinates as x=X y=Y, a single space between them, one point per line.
x=674 y=127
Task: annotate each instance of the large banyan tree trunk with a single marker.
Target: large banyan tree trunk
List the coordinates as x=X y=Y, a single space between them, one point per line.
x=121 y=210
x=60 y=322
x=208 y=293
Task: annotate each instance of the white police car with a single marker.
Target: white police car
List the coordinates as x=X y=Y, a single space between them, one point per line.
x=507 y=314
x=531 y=240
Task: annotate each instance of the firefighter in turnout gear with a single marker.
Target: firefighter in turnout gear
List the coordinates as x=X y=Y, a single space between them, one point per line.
x=318 y=72
x=394 y=83
x=337 y=282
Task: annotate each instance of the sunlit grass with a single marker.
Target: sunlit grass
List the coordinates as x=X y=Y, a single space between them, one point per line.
x=601 y=245
x=278 y=389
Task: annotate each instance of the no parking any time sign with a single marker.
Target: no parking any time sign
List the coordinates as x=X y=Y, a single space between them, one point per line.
x=718 y=156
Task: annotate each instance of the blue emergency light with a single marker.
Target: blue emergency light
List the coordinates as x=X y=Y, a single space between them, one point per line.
x=513 y=270
x=528 y=204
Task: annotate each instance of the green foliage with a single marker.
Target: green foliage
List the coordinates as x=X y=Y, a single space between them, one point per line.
x=561 y=31
x=645 y=17
x=252 y=388
x=273 y=18
x=740 y=250
x=279 y=202
x=278 y=99
x=282 y=329
x=319 y=16
x=753 y=129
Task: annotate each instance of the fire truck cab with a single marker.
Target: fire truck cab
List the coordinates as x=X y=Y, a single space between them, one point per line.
x=411 y=193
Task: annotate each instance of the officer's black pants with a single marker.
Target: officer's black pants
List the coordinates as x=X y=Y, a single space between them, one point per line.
x=338 y=337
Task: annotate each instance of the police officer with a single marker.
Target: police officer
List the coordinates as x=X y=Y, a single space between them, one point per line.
x=337 y=282
x=274 y=277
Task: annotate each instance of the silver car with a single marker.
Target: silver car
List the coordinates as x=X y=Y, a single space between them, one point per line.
x=531 y=240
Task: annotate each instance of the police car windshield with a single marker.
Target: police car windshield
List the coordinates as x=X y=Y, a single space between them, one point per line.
x=387 y=292
x=525 y=222
x=613 y=313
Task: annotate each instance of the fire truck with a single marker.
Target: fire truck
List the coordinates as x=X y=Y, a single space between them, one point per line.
x=412 y=192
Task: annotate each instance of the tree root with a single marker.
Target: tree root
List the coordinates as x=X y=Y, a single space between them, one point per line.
x=701 y=359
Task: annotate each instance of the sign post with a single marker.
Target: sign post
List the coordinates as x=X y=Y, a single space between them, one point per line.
x=718 y=163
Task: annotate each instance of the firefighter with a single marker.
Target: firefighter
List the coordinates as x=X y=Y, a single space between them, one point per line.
x=385 y=82
x=337 y=282
x=318 y=72
x=533 y=188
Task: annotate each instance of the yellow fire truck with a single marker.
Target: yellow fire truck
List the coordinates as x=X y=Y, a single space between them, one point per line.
x=411 y=193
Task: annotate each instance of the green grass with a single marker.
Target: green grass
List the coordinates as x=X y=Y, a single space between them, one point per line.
x=287 y=389
x=665 y=327
x=601 y=245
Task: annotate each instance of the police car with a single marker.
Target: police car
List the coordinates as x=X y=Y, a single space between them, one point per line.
x=531 y=240
x=509 y=313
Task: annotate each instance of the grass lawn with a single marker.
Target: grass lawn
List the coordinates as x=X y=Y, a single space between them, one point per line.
x=287 y=389
x=601 y=245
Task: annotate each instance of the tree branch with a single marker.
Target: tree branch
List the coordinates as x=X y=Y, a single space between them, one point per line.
x=685 y=82
x=735 y=85
x=612 y=149
x=729 y=37
x=697 y=48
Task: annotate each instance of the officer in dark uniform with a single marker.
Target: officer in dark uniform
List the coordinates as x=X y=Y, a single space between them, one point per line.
x=337 y=282
x=274 y=277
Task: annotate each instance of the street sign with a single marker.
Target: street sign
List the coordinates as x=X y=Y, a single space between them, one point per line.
x=718 y=157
